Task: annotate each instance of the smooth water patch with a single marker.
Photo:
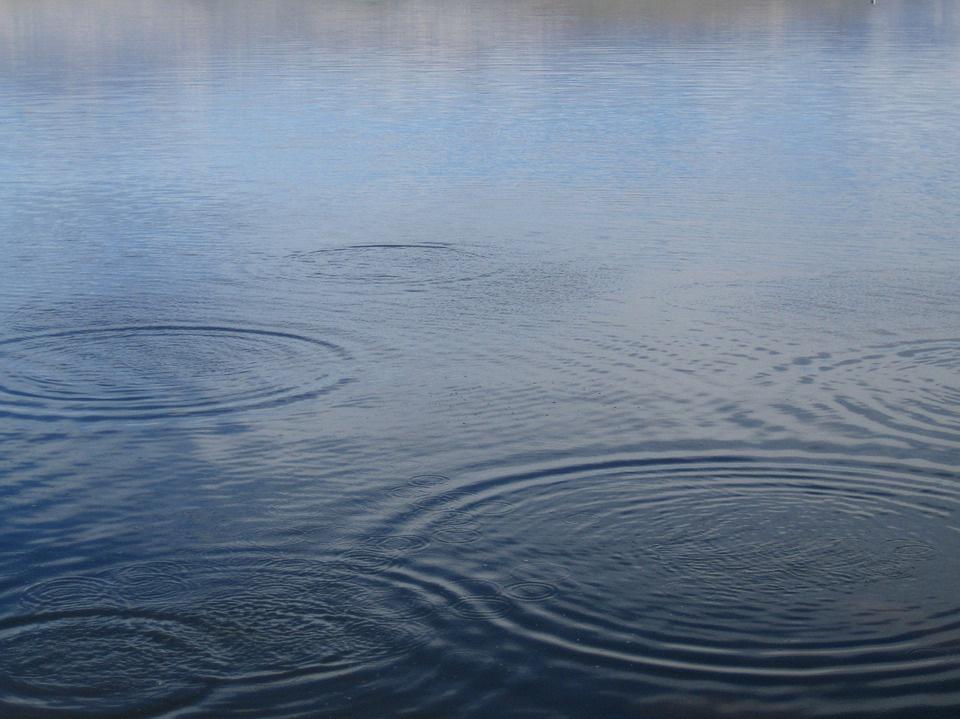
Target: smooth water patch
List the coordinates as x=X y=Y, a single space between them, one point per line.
x=153 y=371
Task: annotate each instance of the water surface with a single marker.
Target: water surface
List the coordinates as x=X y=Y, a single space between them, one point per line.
x=460 y=359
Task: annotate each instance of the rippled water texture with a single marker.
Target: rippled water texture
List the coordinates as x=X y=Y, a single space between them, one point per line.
x=455 y=359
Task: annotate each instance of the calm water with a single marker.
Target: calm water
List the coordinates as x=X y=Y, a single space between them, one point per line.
x=447 y=358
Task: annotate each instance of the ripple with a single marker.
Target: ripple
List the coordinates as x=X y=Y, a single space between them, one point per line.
x=317 y=535
x=376 y=640
x=581 y=518
x=275 y=633
x=454 y=518
x=367 y=560
x=151 y=371
x=908 y=388
x=407 y=265
x=427 y=480
x=433 y=501
x=493 y=508
x=266 y=616
x=769 y=570
x=399 y=542
x=290 y=616
x=457 y=535
x=359 y=593
x=154 y=582
x=407 y=492
x=481 y=607
x=865 y=298
x=74 y=592
x=539 y=571
x=913 y=550
x=104 y=663
x=530 y=591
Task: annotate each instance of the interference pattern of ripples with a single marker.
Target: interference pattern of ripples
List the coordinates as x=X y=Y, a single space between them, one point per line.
x=762 y=574
x=767 y=573
x=506 y=207
x=904 y=389
x=108 y=663
x=154 y=582
x=144 y=372
x=155 y=633
x=293 y=616
x=73 y=592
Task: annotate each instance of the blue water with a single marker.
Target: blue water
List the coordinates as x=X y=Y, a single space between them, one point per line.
x=442 y=358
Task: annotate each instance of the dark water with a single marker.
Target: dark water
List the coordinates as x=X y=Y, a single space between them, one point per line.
x=589 y=358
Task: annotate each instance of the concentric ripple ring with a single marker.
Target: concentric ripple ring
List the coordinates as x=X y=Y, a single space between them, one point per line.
x=155 y=371
x=769 y=571
x=110 y=663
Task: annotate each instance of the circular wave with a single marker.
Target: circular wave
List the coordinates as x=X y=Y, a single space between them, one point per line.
x=153 y=371
x=274 y=632
x=737 y=568
x=458 y=534
x=367 y=560
x=531 y=591
x=293 y=616
x=72 y=592
x=103 y=663
x=408 y=265
x=154 y=582
x=481 y=607
x=264 y=615
x=911 y=389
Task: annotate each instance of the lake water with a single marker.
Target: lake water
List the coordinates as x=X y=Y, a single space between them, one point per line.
x=448 y=358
